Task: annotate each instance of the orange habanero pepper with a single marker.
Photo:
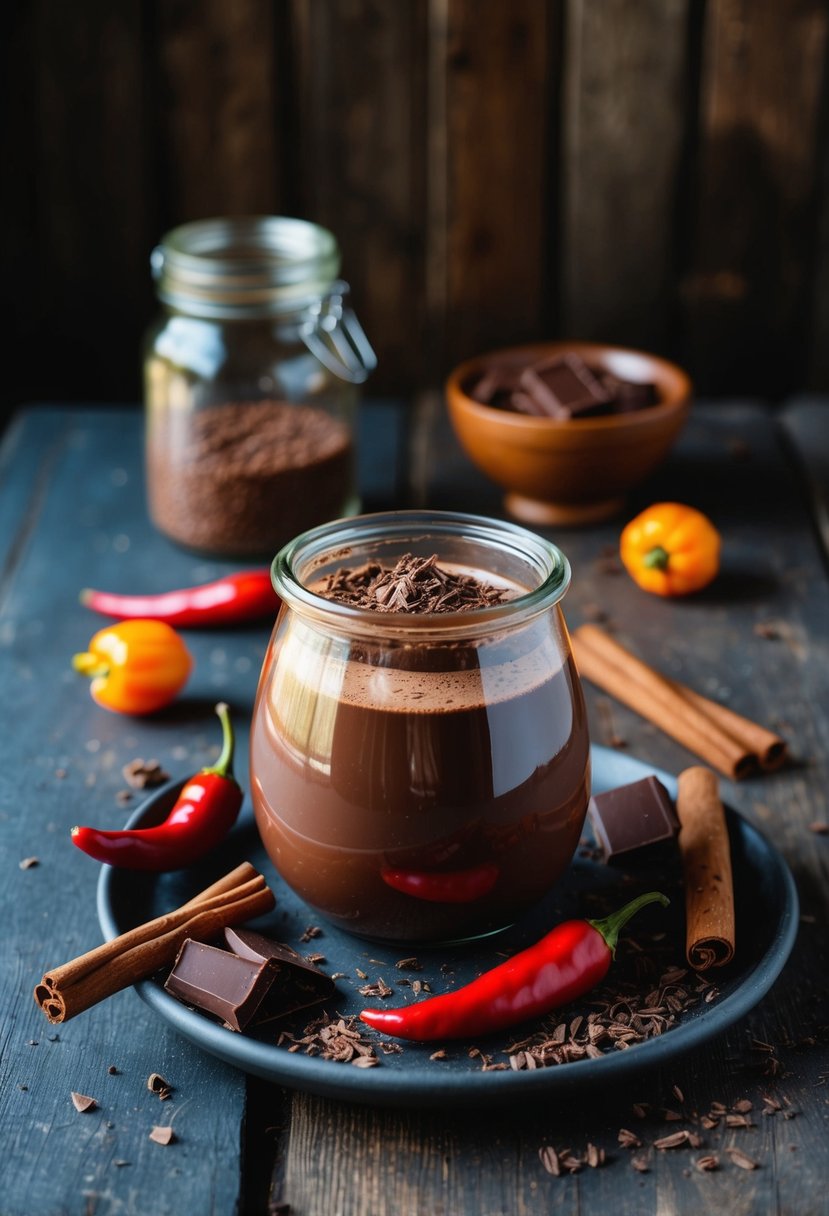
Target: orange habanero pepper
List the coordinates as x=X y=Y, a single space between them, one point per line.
x=136 y=667
x=671 y=549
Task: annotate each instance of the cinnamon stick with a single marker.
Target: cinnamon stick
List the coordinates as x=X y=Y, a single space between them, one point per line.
x=729 y=742
x=771 y=750
x=606 y=663
x=75 y=986
x=706 y=866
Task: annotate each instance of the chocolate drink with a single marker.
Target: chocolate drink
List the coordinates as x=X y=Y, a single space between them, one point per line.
x=447 y=761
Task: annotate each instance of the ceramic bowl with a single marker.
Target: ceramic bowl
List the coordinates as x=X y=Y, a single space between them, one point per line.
x=576 y=471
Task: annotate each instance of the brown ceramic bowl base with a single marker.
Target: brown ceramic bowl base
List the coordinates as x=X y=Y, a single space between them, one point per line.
x=566 y=514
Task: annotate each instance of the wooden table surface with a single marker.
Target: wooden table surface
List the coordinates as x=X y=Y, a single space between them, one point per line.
x=72 y=514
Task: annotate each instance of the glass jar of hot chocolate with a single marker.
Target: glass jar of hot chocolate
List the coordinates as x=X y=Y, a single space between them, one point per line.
x=420 y=762
x=250 y=385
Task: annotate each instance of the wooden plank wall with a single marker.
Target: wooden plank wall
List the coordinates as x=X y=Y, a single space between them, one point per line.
x=652 y=173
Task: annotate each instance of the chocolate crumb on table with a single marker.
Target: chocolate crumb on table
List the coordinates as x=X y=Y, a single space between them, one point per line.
x=144 y=774
x=83 y=1103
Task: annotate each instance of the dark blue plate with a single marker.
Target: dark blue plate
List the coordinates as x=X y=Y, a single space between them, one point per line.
x=767 y=917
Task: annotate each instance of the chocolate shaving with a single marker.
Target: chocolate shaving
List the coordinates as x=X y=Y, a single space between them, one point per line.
x=338 y=1040
x=594 y=1156
x=144 y=774
x=379 y=988
x=742 y=1159
x=707 y=1163
x=82 y=1102
x=677 y=1140
x=408 y=964
x=163 y=1135
x=157 y=1085
x=415 y=585
x=28 y=863
x=365 y=1061
x=548 y=1157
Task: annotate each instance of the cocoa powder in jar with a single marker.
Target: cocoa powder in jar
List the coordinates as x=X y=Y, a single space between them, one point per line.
x=244 y=478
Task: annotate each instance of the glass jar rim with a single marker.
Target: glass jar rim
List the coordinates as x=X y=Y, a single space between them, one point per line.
x=230 y=266
x=335 y=539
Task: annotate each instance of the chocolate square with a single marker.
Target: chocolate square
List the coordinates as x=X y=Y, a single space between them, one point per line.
x=523 y=403
x=494 y=386
x=628 y=396
x=565 y=387
x=220 y=983
x=632 y=820
x=297 y=983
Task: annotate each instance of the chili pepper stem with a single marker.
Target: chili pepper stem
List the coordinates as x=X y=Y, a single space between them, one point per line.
x=224 y=765
x=656 y=558
x=90 y=665
x=611 y=926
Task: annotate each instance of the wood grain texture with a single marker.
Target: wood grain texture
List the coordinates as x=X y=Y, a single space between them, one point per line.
x=805 y=423
x=87 y=100
x=747 y=289
x=623 y=122
x=500 y=172
x=217 y=110
x=655 y=175
x=65 y=1161
x=360 y=70
x=818 y=320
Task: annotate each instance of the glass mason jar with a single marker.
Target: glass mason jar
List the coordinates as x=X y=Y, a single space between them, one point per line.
x=250 y=378
x=420 y=778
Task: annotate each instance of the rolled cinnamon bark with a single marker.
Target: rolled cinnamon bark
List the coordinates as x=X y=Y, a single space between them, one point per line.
x=771 y=750
x=617 y=671
x=75 y=986
x=706 y=865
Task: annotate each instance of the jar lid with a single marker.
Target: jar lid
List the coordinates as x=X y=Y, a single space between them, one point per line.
x=244 y=266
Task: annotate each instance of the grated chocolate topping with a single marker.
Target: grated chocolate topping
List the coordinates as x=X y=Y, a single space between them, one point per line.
x=413 y=585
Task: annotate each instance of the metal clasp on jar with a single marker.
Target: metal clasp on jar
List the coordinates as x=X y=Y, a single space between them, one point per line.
x=332 y=332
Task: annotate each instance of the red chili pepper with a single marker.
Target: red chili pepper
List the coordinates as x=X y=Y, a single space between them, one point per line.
x=568 y=962
x=227 y=601
x=444 y=886
x=204 y=813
